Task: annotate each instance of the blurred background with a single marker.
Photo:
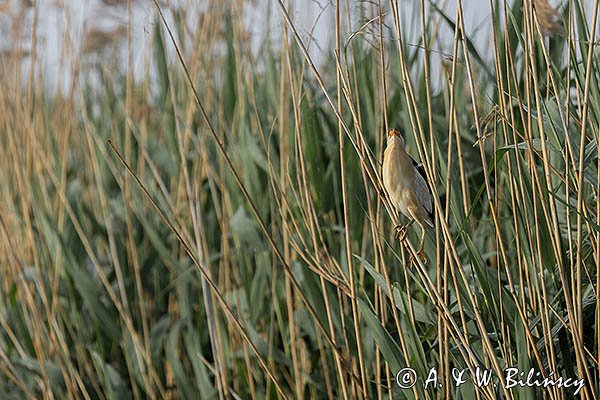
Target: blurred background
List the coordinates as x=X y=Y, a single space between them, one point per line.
x=191 y=203
x=74 y=32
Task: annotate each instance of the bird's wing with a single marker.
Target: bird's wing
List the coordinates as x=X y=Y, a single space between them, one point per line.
x=421 y=188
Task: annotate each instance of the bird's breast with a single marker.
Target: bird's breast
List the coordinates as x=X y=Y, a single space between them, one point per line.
x=398 y=175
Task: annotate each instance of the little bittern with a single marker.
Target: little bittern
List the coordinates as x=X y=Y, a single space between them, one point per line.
x=405 y=183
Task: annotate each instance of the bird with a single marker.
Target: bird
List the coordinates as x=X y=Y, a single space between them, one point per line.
x=404 y=181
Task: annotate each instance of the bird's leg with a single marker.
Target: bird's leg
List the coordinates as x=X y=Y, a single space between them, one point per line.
x=415 y=214
x=421 y=252
x=401 y=231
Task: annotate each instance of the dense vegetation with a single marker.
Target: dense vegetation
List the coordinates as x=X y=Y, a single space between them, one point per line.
x=218 y=228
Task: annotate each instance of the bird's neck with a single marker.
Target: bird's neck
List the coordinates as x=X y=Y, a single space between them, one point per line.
x=395 y=151
x=395 y=147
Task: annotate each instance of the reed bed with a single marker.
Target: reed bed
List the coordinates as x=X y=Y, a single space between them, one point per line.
x=217 y=228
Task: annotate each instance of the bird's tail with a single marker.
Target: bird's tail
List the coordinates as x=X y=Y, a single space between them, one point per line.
x=429 y=222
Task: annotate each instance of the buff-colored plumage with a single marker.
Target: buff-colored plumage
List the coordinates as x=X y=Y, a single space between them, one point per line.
x=550 y=20
x=406 y=187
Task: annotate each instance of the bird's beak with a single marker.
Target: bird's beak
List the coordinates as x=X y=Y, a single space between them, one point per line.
x=393 y=132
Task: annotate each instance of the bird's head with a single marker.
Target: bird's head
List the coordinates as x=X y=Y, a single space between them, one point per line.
x=395 y=136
